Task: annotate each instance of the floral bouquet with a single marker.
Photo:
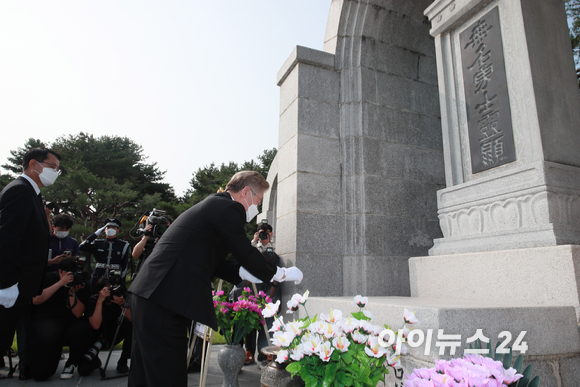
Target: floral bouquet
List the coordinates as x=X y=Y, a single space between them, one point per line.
x=236 y=319
x=334 y=350
x=471 y=370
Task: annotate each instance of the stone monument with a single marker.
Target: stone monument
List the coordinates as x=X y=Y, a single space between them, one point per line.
x=472 y=116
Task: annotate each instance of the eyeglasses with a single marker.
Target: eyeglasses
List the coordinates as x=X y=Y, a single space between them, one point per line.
x=257 y=196
x=51 y=165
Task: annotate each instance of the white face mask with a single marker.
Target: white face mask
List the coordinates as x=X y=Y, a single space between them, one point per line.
x=252 y=210
x=61 y=234
x=47 y=176
x=111 y=232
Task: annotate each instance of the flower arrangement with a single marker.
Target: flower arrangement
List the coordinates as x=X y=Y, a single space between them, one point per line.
x=236 y=319
x=335 y=350
x=471 y=370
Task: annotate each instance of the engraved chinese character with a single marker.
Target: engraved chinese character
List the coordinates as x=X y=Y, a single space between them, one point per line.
x=488 y=125
x=486 y=153
x=485 y=107
x=481 y=56
x=482 y=77
x=478 y=33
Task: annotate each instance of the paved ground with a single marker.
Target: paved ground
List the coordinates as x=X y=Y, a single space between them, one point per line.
x=250 y=375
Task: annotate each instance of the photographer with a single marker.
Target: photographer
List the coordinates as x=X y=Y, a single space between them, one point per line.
x=110 y=253
x=263 y=237
x=155 y=225
x=57 y=321
x=61 y=245
x=103 y=311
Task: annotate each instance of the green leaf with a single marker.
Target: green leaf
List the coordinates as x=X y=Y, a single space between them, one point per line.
x=294 y=368
x=518 y=363
x=497 y=356
x=535 y=382
x=507 y=360
x=523 y=382
x=347 y=357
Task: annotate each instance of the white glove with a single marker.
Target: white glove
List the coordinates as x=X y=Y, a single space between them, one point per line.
x=245 y=275
x=100 y=230
x=288 y=274
x=8 y=296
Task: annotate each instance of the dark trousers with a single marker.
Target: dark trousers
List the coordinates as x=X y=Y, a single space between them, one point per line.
x=9 y=318
x=49 y=335
x=159 y=355
x=23 y=336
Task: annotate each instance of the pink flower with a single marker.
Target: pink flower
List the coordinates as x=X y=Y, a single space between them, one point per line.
x=360 y=301
x=325 y=351
x=409 y=317
x=282 y=356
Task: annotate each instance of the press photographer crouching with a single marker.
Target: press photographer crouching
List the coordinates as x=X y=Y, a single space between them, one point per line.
x=104 y=312
x=57 y=321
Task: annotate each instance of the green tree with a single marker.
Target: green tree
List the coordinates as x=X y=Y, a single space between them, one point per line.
x=101 y=177
x=15 y=161
x=5 y=180
x=208 y=180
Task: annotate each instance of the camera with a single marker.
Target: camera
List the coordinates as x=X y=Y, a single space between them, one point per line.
x=263 y=234
x=115 y=286
x=80 y=277
x=157 y=219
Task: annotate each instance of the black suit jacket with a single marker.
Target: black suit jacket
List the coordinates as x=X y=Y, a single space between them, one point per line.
x=24 y=236
x=178 y=273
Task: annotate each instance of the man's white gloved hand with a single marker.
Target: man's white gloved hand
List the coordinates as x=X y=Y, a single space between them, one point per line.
x=100 y=230
x=245 y=275
x=8 y=296
x=288 y=274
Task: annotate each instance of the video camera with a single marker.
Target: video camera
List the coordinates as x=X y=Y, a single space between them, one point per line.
x=157 y=219
x=81 y=277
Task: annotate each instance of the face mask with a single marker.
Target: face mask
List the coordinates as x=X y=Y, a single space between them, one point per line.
x=111 y=232
x=48 y=176
x=61 y=234
x=252 y=210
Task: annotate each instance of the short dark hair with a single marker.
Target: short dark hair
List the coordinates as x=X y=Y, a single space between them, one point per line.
x=265 y=226
x=38 y=154
x=63 y=220
x=68 y=264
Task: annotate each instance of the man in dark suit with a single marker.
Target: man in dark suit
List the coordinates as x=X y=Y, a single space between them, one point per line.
x=173 y=286
x=24 y=236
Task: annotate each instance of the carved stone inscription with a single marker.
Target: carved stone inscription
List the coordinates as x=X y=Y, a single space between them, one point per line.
x=491 y=138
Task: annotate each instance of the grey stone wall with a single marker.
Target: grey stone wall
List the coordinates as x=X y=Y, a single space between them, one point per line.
x=391 y=149
x=360 y=152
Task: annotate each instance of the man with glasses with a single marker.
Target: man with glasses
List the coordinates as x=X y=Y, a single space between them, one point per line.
x=24 y=236
x=174 y=284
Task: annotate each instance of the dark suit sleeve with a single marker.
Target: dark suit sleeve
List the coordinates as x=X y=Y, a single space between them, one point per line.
x=15 y=213
x=229 y=224
x=229 y=271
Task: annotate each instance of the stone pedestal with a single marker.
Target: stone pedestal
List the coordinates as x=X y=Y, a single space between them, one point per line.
x=534 y=199
x=551 y=334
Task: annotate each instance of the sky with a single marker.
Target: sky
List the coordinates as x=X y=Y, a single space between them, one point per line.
x=191 y=81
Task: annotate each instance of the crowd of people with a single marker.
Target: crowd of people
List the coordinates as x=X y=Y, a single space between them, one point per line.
x=49 y=299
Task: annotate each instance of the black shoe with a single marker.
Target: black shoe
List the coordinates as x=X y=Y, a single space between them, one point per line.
x=122 y=367
x=24 y=373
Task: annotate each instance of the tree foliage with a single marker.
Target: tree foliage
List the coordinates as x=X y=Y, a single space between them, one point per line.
x=101 y=177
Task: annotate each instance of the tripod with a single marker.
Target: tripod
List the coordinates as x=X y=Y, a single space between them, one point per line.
x=103 y=369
